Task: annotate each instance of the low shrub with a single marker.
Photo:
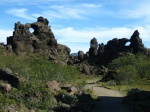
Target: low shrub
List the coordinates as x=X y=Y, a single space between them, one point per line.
x=127 y=75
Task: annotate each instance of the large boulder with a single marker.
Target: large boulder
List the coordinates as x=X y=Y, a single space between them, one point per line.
x=7 y=75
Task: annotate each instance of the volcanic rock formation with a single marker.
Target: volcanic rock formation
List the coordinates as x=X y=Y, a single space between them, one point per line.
x=42 y=40
x=100 y=54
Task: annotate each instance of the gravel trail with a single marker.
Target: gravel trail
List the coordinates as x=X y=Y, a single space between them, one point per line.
x=110 y=100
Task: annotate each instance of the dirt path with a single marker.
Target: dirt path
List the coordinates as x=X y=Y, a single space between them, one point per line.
x=110 y=100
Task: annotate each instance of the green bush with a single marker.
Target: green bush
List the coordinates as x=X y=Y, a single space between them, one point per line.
x=32 y=96
x=127 y=75
x=131 y=68
x=122 y=61
x=143 y=69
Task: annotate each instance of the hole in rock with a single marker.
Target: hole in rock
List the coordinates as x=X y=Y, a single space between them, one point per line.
x=127 y=44
x=31 y=30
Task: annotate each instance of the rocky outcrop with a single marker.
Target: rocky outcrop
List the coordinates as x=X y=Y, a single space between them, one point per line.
x=136 y=42
x=81 y=55
x=115 y=48
x=102 y=54
x=112 y=50
x=86 y=68
x=7 y=75
x=42 y=40
x=109 y=76
x=93 y=48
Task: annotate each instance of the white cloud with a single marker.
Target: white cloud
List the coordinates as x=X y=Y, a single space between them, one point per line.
x=78 y=11
x=22 y=12
x=77 y=46
x=4 y=34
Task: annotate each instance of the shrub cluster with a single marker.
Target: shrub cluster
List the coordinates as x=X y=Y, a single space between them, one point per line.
x=130 y=69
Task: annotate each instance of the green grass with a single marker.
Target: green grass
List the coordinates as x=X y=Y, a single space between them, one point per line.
x=144 y=84
x=34 y=72
x=39 y=69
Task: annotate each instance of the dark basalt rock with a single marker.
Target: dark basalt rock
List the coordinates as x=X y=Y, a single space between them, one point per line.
x=100 y=54
x=109 y=76
x=103 y=54
x=136 y=42
x=41 y=40
x=7 y=75
x=81 y=55
x=93 y=48
x=112 y=50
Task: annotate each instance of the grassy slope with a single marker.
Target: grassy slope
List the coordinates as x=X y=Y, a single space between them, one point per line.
x=34 y=72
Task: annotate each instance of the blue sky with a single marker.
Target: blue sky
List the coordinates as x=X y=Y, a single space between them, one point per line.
x=75 y=22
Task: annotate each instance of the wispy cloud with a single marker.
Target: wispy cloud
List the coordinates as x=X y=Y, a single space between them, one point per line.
x=71 y=11
x=22 y=12
x=133 y=10
x=76 y=11
x=27 y=2
x=140 y=11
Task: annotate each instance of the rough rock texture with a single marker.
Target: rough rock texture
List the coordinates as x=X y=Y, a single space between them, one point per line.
x=7 y=75
x=102 y=54
x=117 y=47
x=109 y=76
x=5 y=87
x=112 y=50
x=93 y=48
x=42 y=40
x=54 y=85
x=81 y=55
x=136 y=42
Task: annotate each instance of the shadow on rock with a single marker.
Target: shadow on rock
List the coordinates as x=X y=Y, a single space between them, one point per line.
x=9 y=77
